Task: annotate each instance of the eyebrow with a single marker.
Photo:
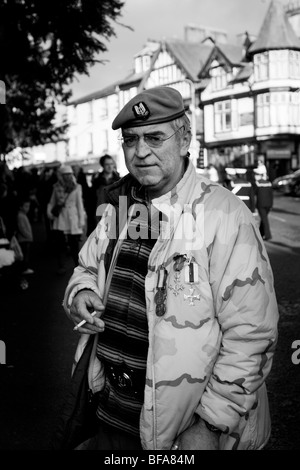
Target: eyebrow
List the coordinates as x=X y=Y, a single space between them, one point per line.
x=158 y=133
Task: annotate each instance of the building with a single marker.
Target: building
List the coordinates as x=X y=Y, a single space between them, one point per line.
x=242 y=99
x=164 y=62
x=252 y=102
x=90 y=133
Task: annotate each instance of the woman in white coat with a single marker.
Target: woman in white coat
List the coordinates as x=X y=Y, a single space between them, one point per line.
x=66 y=211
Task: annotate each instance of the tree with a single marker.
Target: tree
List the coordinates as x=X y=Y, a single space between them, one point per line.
x=43 y=44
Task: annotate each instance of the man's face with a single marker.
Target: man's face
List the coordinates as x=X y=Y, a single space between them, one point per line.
x=158 y=169
x=108 y=166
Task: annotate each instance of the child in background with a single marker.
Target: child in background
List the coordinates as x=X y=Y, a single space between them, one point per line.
x=24 y=234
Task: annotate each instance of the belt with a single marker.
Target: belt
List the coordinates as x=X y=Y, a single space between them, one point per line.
x=129 y=381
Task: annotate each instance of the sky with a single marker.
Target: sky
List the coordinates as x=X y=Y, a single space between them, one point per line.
x=158 y=19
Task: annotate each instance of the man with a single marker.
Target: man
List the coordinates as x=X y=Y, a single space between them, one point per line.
x=104 y=178
x=99 y=183
x=186 y=311
x=264 y=203
x=261 y=169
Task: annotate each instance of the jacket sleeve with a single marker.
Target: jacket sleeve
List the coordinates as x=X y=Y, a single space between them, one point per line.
x=90 y=272
x=85 y=274
x=246 y=309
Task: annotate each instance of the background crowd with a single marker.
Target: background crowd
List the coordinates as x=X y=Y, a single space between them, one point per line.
x=64 y=200
x=59 y=197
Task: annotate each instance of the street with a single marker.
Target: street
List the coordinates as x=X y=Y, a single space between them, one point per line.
x=40 y=342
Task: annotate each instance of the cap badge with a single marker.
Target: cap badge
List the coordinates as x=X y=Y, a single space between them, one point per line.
x=141 y=110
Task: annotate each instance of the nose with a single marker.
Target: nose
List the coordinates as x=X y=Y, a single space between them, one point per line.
x=142 y=150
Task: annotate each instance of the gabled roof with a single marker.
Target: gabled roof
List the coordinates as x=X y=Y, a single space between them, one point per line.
x=243 y=74
x=110 y=89
x=233 y=53
x=190 y=56
x=276 y=31
x=228 y=54
x=131 y=79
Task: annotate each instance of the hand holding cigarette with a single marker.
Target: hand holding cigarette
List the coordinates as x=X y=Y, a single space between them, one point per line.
x=83 y=321
x=82 y=304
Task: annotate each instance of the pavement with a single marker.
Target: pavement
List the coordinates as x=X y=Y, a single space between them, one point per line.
x=40 y=342
x=284 y=380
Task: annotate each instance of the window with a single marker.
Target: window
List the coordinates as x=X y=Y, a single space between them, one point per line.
x=294 y=63
x=261 y=66
x=263 y=110
x=104 y=140
x=219 y=78
x=279 y=64
x=103 y=109
x=277 y=109
x=73 y=145
x=294 y=109
x=223 y=116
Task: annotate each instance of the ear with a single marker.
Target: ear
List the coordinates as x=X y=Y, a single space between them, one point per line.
x=185 y=144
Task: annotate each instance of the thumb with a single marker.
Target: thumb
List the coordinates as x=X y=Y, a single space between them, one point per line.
x=95 y=303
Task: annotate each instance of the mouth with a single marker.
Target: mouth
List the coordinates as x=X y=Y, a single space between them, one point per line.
x=145 y=166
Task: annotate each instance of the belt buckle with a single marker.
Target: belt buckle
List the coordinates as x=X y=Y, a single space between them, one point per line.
x=125 y=381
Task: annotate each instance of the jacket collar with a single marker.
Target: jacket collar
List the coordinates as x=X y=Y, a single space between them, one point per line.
x=130 y=187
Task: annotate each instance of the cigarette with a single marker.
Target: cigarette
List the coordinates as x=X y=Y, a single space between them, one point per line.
x=83 y=322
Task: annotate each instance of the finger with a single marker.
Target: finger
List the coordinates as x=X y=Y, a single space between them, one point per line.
x=78 y=317
x=90 y=329
x=98 y=324
x=80 y=312
x=85 y=307
x=93 y=301
x=87 y=331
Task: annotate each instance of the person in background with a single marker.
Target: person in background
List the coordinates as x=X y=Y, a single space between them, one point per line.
x=87 y=195
x=261 y=169
x=212 y=173
x=105 y=178
x=264 y=203
x=187 y=316
x=24 y=234
x=66 y=212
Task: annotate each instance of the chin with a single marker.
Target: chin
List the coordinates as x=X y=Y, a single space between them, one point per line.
x=148 y=181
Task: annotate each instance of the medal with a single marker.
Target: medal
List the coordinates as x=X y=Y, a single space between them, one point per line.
x=161 y=293
x=191 y=276
x=178 y=266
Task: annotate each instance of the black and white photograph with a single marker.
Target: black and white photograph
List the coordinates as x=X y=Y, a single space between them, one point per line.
x=149 y=227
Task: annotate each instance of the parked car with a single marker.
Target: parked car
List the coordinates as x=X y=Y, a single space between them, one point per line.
x=288 y=184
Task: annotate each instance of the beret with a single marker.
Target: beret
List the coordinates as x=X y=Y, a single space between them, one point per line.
x=153 y=106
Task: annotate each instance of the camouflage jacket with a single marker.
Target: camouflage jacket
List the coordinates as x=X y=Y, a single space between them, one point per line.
x=209 y=355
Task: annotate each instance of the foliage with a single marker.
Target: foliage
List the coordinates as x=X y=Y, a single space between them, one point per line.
x=43 y=44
